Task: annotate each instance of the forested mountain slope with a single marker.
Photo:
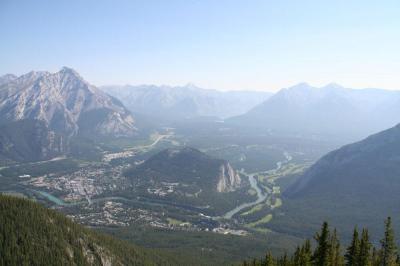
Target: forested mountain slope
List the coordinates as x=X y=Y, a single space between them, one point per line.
x=33 y=235
x=356 y=184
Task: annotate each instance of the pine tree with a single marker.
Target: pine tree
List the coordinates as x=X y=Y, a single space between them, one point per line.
x=284 y=261
x=321 y=253
x=376 y=257
x=306 y=254
x=353 y=251
x=297 y=257
x=335 y=259
x=269 y=260
x=389 y=252
x=364 y=257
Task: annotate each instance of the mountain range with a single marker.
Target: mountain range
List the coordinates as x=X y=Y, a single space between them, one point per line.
x=185 y=101
x=356 y=184
x=331 y=110
x=65 y=102
x=50 y=108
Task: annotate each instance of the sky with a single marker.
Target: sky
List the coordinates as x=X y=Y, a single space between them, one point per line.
x=225 y=45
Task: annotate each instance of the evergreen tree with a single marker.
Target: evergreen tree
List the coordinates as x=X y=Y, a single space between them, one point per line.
x=321 y=253
x=328 y=252
x=376 y=257
x=353 y=251
x=364 y=257
x=297 y=257
x=389 y=250
x=335 y=258
x=269 y=260
x=284 y=261
x=306 y=254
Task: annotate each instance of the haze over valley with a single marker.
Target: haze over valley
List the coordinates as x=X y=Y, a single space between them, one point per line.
x=301 y=129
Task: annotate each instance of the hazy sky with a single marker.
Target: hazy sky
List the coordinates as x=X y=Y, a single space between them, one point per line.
x=213 y=44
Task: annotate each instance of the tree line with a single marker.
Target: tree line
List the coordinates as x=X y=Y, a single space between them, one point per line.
x=328 y=251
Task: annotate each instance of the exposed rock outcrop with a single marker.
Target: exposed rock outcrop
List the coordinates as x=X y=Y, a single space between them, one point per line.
x=228 y=179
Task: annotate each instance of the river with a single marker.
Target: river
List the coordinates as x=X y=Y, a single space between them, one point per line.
x=260 y=198
x=153 y=202
x=52 y=198
x=253 y=183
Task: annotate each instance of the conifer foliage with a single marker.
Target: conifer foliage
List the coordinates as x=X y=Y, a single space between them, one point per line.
x=30 y=234
x=328 y=251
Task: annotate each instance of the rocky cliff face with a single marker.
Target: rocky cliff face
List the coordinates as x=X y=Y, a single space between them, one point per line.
x=228 y=179
x=65 y=102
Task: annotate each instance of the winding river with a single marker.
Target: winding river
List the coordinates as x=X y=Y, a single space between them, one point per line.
x=253 y=183
x=260 y=198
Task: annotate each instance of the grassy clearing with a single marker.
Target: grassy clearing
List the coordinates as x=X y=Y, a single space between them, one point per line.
x=173 y=221
x=256 y=208
x=260 y=230
x=277 y=204
x=264 y=220
x=289 y=169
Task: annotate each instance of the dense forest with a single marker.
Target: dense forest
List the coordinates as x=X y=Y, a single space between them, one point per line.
x=329 y=252
x=30 y=234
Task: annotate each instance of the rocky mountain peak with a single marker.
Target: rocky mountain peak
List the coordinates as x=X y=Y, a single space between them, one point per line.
x=66 y=103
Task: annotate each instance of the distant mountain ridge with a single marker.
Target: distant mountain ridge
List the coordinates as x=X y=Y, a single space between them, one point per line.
x=185 y=101
x=330 y=110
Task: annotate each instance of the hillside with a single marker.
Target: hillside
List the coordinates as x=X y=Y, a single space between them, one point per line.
x=331 y=110
x=185 y=101
x=33 y=235
x=190 y=177
x=29 y=139
x=356 y=184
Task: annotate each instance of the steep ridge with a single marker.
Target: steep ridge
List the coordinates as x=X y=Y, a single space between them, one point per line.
x=356 y=184
x=65 y=102
x=63 y=105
